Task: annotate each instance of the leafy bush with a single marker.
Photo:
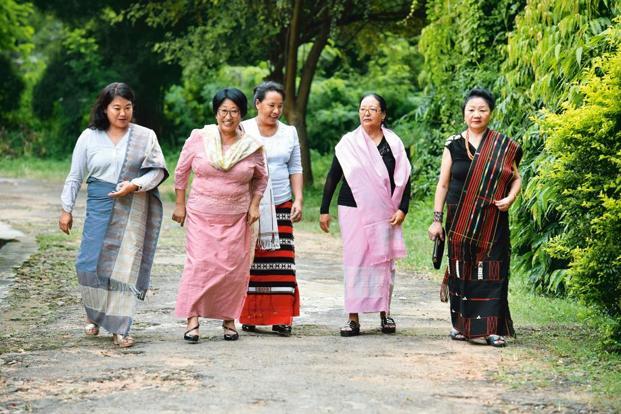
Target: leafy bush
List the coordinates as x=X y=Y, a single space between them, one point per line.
x=553 y=41
x=11 y=89
x=67 y=90
x=584 y=147
x=462 y=48
x=188 y=106
x=332 y=110
x=388 y=68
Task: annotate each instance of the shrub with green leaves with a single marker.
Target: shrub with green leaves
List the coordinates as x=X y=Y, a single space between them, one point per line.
x=584 y=147
x=188 y=106
x=64 y=95
x=463 y=47
x=547 y=52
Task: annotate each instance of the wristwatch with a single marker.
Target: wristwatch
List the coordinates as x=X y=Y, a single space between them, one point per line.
x=137 y=185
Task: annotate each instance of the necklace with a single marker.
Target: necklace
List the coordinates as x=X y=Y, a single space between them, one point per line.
x=468 y=145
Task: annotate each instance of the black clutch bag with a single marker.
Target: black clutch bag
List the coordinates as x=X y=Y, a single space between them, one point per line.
x=438 y=251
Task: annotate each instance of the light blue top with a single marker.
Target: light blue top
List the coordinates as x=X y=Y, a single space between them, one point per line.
x=283 y=156
x=95 y=155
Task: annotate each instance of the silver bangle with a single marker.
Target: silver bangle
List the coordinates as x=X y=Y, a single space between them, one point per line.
x=437 y=216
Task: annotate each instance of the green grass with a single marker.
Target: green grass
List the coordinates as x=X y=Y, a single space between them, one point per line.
x=560 y=344
x=313 y=196
x=417 y=221
x=34 y=168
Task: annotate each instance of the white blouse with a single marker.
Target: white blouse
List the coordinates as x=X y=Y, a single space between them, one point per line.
x=283 y=156
x=95 y=155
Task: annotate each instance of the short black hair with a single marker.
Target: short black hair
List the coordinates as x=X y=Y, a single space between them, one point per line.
x=268 y=86
x=482 y=93
x=234 y=95
x=99 y=119
x=382 y=103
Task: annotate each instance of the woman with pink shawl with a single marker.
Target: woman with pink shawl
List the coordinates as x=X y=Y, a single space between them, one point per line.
x=372 y=203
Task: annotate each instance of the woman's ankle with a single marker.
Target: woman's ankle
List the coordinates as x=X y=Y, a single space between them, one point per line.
x=192 y=321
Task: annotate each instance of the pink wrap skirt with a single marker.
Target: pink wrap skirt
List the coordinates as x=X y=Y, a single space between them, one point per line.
x=368 y=287
x=215 y=275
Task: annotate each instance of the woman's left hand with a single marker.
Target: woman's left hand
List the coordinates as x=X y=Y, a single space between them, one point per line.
x=296 y=211
x=253 y=213
x=123 y=189
x=504 y=203
x=397 y=218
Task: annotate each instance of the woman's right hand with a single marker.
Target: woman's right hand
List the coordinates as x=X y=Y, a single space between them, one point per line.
x=435 y=230
x=324 y=222
x=444 y=292
x=65 y=222
x=179 y=214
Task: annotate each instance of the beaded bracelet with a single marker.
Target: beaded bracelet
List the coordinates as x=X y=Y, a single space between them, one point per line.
x=437 y=216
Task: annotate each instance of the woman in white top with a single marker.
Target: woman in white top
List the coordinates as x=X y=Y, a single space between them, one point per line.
x=123 y=164
x=273 y=296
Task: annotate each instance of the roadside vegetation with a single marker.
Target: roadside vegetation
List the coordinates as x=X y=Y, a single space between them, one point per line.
x=554 y=66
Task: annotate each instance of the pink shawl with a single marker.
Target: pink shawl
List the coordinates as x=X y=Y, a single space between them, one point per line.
x=368 y=179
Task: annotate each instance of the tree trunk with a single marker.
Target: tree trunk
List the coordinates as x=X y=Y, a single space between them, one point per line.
x=294 y=112
x=298 y=120
x=297 y=98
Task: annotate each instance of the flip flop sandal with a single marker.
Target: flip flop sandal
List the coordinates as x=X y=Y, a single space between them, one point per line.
x=496 y=341
x=456 y=335
x=351 y=329
x=191 y=338
x=388 y=325
x=230 y=337
x=123 y=341
x=91 y=329
x=282 y=330
x=249 y=328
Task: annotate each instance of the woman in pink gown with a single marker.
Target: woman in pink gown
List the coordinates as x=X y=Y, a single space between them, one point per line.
x=229 y=179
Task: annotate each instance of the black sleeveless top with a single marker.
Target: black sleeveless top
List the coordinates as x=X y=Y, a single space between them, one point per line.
x=460 y=165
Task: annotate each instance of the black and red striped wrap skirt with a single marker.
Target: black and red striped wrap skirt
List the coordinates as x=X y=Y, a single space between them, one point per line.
x=273 y=296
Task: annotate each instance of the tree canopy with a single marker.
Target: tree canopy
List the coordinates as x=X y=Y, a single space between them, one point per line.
x=249 y=33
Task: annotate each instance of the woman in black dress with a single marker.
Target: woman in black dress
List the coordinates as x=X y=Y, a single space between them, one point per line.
x=479 y=181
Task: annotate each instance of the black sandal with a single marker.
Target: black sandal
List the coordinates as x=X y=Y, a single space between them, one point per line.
x=249 y=328
x=282 y=330
x=496 y=341
x=456 y=335
x=388 y=325
x=230 y=337
x=191 y=338
x=351 y=329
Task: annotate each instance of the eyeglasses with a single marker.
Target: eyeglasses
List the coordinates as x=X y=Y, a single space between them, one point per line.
x=224 y=112
x=371 y=109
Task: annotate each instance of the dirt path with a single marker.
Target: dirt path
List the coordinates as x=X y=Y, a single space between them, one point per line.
x=48 y=365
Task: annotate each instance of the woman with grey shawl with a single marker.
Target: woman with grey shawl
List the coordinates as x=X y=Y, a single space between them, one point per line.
x=123 y=164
